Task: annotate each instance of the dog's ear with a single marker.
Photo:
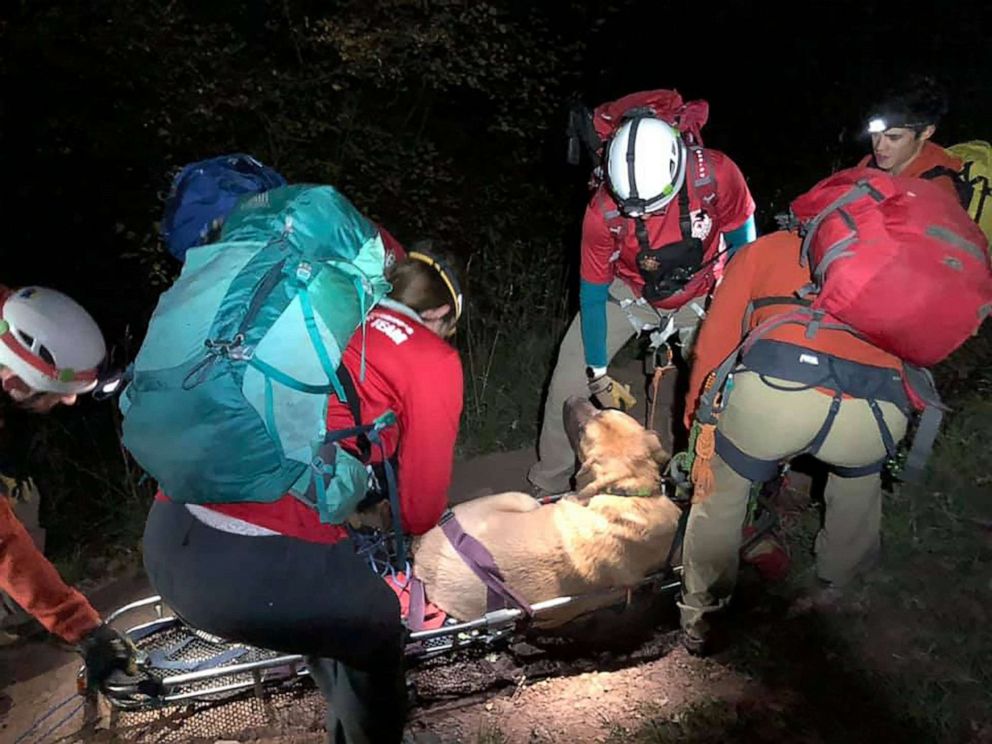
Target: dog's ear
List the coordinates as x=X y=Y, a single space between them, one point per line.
x=656 y=449
x=577 y=412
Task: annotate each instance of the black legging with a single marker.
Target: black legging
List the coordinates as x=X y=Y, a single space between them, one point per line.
x=291 y=596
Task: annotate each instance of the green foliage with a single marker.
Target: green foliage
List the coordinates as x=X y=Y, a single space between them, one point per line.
x=517 y=313
x=400 y=103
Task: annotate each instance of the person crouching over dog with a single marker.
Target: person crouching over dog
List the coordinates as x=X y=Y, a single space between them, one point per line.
x=875 y=257
x=273 y=575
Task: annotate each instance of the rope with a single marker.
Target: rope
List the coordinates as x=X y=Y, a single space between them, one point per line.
x=45 y=716
x=374 y=548
x=659 y=372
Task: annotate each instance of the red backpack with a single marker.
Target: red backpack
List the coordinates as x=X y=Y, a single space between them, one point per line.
x=895 y=260
x=594 y=128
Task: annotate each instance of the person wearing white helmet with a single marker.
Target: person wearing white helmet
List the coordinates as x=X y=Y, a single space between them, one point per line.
x=51 y=351
x=654 y=237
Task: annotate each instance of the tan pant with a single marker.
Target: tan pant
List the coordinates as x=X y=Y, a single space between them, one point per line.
x=553 y=471
x=772 y=424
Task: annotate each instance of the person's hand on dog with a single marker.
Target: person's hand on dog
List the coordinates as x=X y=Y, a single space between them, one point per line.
x=609 y=393
x=378 y=516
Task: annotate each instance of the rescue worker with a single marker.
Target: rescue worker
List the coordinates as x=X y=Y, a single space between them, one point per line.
x=272 y=575
x=50 y=353
x=902 y=126
x=652 y=236
x=780 y=404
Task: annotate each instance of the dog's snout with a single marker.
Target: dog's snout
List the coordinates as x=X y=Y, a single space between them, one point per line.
x=577 y=412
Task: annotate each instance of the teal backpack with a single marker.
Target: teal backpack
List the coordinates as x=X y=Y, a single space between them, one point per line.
x=229 y=392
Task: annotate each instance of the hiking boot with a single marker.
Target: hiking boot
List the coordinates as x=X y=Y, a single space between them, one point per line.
x=815 y=595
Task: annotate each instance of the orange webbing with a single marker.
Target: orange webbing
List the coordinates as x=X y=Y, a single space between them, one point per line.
x=702 y=473
x=659 y=372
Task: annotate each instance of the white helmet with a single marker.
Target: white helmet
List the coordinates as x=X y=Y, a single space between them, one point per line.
x=645 y=165
x=49 y=341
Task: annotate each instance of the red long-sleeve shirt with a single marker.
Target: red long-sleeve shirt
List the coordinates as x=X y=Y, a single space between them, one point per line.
x=609 y=240
x=28 y=577
x=415 y=374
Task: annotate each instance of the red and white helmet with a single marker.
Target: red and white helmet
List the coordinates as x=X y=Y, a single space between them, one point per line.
x=49 y=341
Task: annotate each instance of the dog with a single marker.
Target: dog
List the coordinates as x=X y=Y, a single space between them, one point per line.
x=615 y=530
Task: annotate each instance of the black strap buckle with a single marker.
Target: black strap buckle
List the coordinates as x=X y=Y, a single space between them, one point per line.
x=446 y=517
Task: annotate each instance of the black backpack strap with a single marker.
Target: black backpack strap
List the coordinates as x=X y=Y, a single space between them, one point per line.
x=351 y=400
x=962 y=185
x=641 y=231
x=582 y=132
x=685 y=216
x=921 y=382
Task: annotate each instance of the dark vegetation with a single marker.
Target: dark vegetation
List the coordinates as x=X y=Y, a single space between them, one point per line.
x=445 y=119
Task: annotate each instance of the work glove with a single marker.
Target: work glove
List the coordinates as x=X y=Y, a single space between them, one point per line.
x=106 y=650
x=608 y=393
x=18 y=490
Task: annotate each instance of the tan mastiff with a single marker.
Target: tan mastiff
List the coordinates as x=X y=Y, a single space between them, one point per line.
x=616 y=530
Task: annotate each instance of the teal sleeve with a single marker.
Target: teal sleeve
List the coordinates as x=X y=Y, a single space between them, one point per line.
x=592 y=316
x=737 y=239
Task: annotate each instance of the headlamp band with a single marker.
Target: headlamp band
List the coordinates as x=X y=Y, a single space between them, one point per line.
x=446 y=276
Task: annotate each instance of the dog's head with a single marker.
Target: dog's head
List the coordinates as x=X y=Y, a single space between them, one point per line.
x=617 y=454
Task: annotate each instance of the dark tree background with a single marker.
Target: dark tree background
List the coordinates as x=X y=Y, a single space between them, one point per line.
x=440 y=118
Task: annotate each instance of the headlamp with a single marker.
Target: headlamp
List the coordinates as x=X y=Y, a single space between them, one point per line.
x=879 y=124
x=446 y=274
x=110 y=382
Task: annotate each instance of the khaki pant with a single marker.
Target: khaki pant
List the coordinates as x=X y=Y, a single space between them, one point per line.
x=553 y=471
x=772 y=424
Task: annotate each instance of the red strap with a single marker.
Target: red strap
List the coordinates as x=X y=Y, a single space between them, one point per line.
x=49 y=370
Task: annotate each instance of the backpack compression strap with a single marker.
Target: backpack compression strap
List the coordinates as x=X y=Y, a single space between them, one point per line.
x=920 y=381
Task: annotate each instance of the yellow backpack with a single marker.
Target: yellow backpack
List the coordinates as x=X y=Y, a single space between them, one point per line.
x=977 y=171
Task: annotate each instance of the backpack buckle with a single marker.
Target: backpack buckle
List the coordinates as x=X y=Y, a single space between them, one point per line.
x=233 y=349
x=304 y=271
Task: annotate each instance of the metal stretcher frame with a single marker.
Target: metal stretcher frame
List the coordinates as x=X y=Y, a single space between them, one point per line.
x=157 y=686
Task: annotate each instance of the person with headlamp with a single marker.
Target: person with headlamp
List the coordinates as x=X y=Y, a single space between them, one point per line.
x=51 y=351
x=901 y=128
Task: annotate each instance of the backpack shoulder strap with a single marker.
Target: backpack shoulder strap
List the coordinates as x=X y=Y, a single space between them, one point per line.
x=351 y=400
x=704 y=181
x=701 y=178
x=962 y=185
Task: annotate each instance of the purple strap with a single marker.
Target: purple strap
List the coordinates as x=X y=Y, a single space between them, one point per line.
x=415 y=614
x=499 y=595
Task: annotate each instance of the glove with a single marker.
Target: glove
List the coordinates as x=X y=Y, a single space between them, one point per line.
x=106 y=650
x=609 y=393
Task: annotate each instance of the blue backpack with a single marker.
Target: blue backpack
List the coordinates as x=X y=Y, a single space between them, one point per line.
x=230 y=387
x=204 y=193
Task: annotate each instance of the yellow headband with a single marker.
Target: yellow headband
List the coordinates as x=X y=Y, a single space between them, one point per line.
x=449 y=281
